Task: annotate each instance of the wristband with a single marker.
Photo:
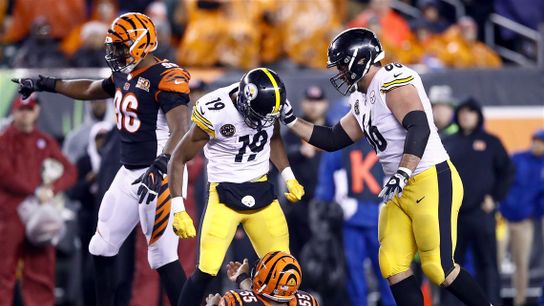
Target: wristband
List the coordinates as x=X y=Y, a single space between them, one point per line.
x=291 y=123
x=406 y=170
x=177 y=204
x=242 y=277
x=287 y=174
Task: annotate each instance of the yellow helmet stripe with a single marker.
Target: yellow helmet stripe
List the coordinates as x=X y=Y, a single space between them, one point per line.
x=276 y=89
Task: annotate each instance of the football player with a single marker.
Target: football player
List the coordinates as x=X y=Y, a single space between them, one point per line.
x=238 y=129
x=274 y=281
x=150 y=97
x=423 y=191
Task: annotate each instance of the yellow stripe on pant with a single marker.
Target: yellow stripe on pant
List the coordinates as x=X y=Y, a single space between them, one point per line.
x=266 y=229
x=423 y=220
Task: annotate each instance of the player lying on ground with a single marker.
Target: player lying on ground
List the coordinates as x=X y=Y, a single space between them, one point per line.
x=238 y=129
x=423 y=192
x=274 y=281
x=150 y=98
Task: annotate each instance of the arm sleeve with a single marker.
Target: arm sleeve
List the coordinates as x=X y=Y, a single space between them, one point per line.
x=109 y=86
x=504 y=172
x=325 y=189
x=417 y=125
x=173 y=89
x=69 y=176
x=330 y=138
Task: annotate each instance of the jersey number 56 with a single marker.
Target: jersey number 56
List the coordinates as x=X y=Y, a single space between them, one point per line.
x=126 y=115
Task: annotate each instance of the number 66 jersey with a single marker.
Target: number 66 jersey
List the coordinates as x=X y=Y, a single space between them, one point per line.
x=382 y=129
x=236 y=153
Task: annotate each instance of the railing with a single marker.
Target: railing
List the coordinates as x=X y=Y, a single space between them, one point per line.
x=531 y=34
x=406 y=9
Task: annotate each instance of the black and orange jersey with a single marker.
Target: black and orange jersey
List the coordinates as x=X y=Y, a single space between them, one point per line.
x=141 y=100
x=249 y=298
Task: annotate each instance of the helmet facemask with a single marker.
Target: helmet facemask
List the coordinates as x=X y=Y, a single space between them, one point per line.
x=349 y=72
x=252 y=118
x=118 y=57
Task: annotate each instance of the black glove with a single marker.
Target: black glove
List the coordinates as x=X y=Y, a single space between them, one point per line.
x=395 y=184
x=151 y=180
x=27 y=85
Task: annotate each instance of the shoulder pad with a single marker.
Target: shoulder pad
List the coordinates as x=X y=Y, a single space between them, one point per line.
x=174 y=78
x=396 y=75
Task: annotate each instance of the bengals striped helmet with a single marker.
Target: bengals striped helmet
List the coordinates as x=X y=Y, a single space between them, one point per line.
x=130 y=38
x=277 y=276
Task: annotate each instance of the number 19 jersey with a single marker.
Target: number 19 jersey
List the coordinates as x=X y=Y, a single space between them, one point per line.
x=235 y=152
x=382 y=129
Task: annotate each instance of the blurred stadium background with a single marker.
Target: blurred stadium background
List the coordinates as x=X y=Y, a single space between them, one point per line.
x=491 y=50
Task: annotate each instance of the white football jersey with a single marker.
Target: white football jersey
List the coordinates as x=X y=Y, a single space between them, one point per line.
x=384 y=132
x=235 y=152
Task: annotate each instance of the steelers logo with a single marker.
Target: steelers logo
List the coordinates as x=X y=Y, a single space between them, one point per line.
x=228 y=130
x=250 y=91
x=372 y=97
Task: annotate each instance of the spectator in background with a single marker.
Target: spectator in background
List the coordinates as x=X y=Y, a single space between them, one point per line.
x=85 y=191
x=395 y=30
x=486 y=172
x=443 y=104
x=102 y=14
x=23 y=149
x=520 y=206
x=40 y=50
x=304 y=159
x=430 y=16
x=62 y=15
x=92 y=52
x=463 y=50
x=157 y=12
x=77 y=140
x=352 y=178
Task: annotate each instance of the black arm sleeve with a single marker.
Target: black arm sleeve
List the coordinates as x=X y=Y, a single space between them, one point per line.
x=417 y=125
x=109 y=86
x=330 y=138
x=168 y=100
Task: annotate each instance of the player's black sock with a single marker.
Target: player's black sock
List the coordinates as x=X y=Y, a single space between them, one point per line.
x=407 y=292
x=105 y=280
x=172 y=280
x=465 y=288
x=195 y=286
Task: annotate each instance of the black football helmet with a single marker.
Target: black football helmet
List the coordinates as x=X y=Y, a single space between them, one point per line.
x=261 y=95
x=352 y=52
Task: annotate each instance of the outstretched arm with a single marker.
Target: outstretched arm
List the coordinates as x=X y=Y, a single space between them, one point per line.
x=334 y=138
x=341 y=135
x=77 y=89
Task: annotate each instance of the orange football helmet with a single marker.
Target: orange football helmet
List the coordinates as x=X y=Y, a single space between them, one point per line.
x=130 y=38
x=277 y=276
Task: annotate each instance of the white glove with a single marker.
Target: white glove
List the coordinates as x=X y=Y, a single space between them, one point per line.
x=395 y=184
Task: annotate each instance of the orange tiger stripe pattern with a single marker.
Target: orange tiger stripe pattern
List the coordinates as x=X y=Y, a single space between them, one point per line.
x=175 y=80
x=278 y=276
x=162 y=212
x=137 y=32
